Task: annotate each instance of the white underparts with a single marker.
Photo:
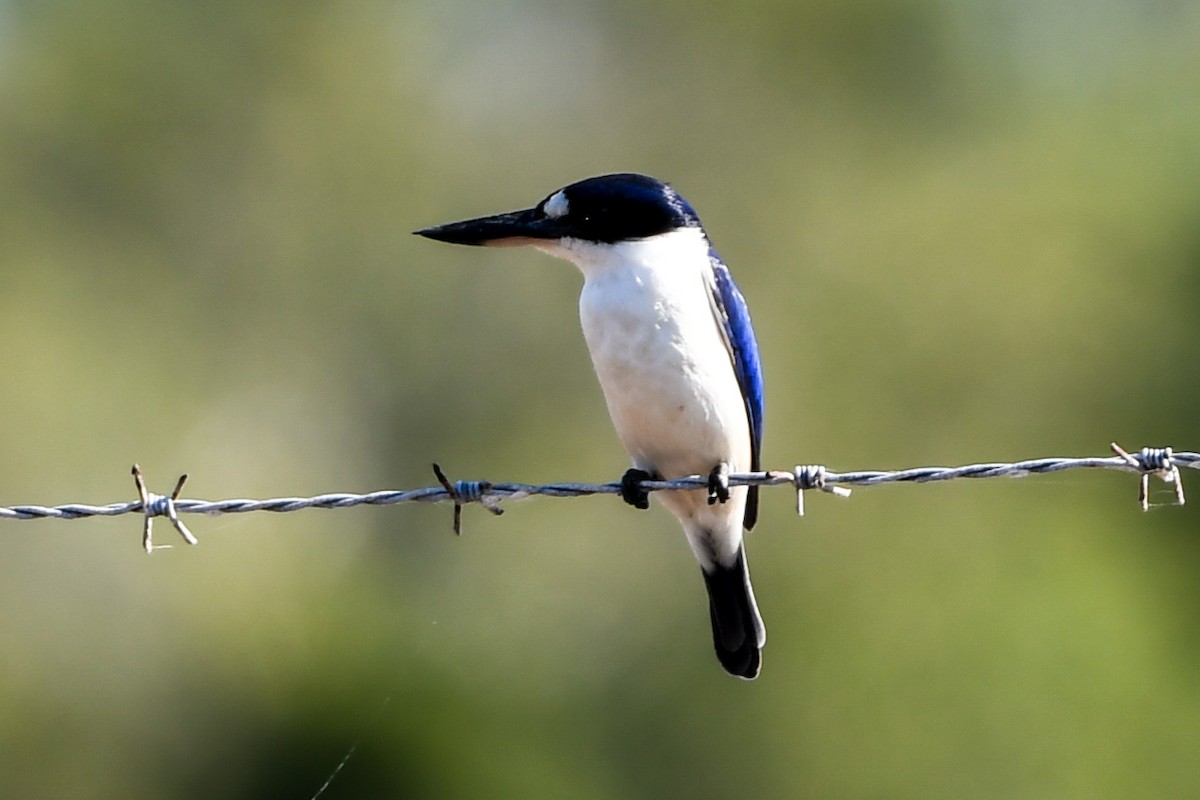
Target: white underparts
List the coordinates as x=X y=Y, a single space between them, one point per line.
x=658 y=349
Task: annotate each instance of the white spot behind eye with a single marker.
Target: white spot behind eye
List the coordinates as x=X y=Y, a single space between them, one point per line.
x=556 y=205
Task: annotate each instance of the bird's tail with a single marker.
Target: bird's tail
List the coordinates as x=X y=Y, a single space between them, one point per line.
x=738 y=632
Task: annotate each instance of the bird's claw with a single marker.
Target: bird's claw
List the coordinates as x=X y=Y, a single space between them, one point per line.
x=631 y=488
x=718 y=484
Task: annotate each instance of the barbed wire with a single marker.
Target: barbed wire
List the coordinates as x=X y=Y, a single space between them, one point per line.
x=1160 y=461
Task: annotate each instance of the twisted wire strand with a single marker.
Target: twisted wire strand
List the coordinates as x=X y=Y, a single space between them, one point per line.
x=1159 y=461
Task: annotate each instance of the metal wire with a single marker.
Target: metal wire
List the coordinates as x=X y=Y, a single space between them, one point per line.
x=1162 y=462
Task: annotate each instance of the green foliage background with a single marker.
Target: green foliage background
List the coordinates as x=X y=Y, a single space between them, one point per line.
x=967 y=231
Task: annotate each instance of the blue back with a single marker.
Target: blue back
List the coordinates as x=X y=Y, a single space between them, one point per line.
x=735 y=317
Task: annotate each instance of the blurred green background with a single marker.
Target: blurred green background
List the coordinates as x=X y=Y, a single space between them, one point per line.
x=967 y=231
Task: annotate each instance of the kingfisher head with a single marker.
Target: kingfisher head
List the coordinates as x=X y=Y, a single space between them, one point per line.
x=604 y=210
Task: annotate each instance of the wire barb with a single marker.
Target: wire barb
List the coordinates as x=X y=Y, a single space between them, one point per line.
x=463 y=492
x=1153 y=461
x=154 y=505
x=813 y=476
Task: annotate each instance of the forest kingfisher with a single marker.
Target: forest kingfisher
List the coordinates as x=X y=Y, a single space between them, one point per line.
x=671 y=342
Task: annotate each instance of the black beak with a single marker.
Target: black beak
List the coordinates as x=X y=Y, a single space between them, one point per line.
x=527 y=226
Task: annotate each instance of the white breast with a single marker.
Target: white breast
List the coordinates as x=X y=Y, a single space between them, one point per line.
x=647 y=315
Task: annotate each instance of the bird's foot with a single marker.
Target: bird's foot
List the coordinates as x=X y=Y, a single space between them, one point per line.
x=718 y=484
x=631 y=488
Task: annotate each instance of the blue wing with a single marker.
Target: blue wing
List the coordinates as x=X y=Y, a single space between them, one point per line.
x=734 y=317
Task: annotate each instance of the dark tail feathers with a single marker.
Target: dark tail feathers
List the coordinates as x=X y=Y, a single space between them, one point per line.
x=738 y=632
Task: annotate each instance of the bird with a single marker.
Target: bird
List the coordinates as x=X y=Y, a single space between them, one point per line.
x=671 y=342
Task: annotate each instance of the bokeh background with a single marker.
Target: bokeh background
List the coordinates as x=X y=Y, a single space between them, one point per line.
x=967 y=231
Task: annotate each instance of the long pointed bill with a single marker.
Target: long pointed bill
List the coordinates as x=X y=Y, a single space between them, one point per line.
x=528 y=226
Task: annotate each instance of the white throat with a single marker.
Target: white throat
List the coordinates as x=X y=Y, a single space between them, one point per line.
x=679 y=247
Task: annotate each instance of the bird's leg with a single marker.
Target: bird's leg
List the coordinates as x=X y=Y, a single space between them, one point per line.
x=718 y=484
x=631 y=489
